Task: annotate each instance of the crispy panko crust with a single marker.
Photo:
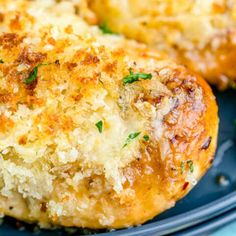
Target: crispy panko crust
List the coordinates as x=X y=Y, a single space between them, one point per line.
x=198 y=33
x=60 y=79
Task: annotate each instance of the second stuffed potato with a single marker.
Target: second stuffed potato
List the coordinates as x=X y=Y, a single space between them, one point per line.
x=198 y=33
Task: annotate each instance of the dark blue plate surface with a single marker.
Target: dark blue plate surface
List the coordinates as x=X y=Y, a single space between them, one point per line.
x=214 y=195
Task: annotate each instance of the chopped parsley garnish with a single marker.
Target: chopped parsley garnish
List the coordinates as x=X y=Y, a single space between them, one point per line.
x=146 y=137
x=182 y=167
x=1 y=61
x=190 y=164
x=129 y=79
x=105 y=29
x=33 y=74
x=131 y=137
x=99 y=125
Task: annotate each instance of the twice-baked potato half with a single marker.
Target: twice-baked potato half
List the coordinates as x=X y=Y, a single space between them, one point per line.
x=200 y=34
x=95 y=131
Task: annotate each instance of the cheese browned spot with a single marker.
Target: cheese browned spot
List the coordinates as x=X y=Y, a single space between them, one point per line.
x=200 y=34
x=56 y=168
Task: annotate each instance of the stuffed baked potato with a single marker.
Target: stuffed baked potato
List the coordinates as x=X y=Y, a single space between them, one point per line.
x=95 y=130
x=198 y=33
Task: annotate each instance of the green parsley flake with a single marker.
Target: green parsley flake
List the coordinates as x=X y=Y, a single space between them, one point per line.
x=99 y=125
x=129 y=79
x=146 y=137
x=182 y=167
x=105 y=29
x=131 y=137
x=33 y=74
x=190 y=164
x=1 y=61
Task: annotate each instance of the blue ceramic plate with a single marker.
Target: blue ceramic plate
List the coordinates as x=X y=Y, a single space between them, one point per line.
x=210 y=226
x=214 y=195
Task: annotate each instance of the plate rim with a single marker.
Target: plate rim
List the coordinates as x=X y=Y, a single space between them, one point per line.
x=183 y=220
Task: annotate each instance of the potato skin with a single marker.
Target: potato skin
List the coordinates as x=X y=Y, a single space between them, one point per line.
x=199 y=34
x=55 y=167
